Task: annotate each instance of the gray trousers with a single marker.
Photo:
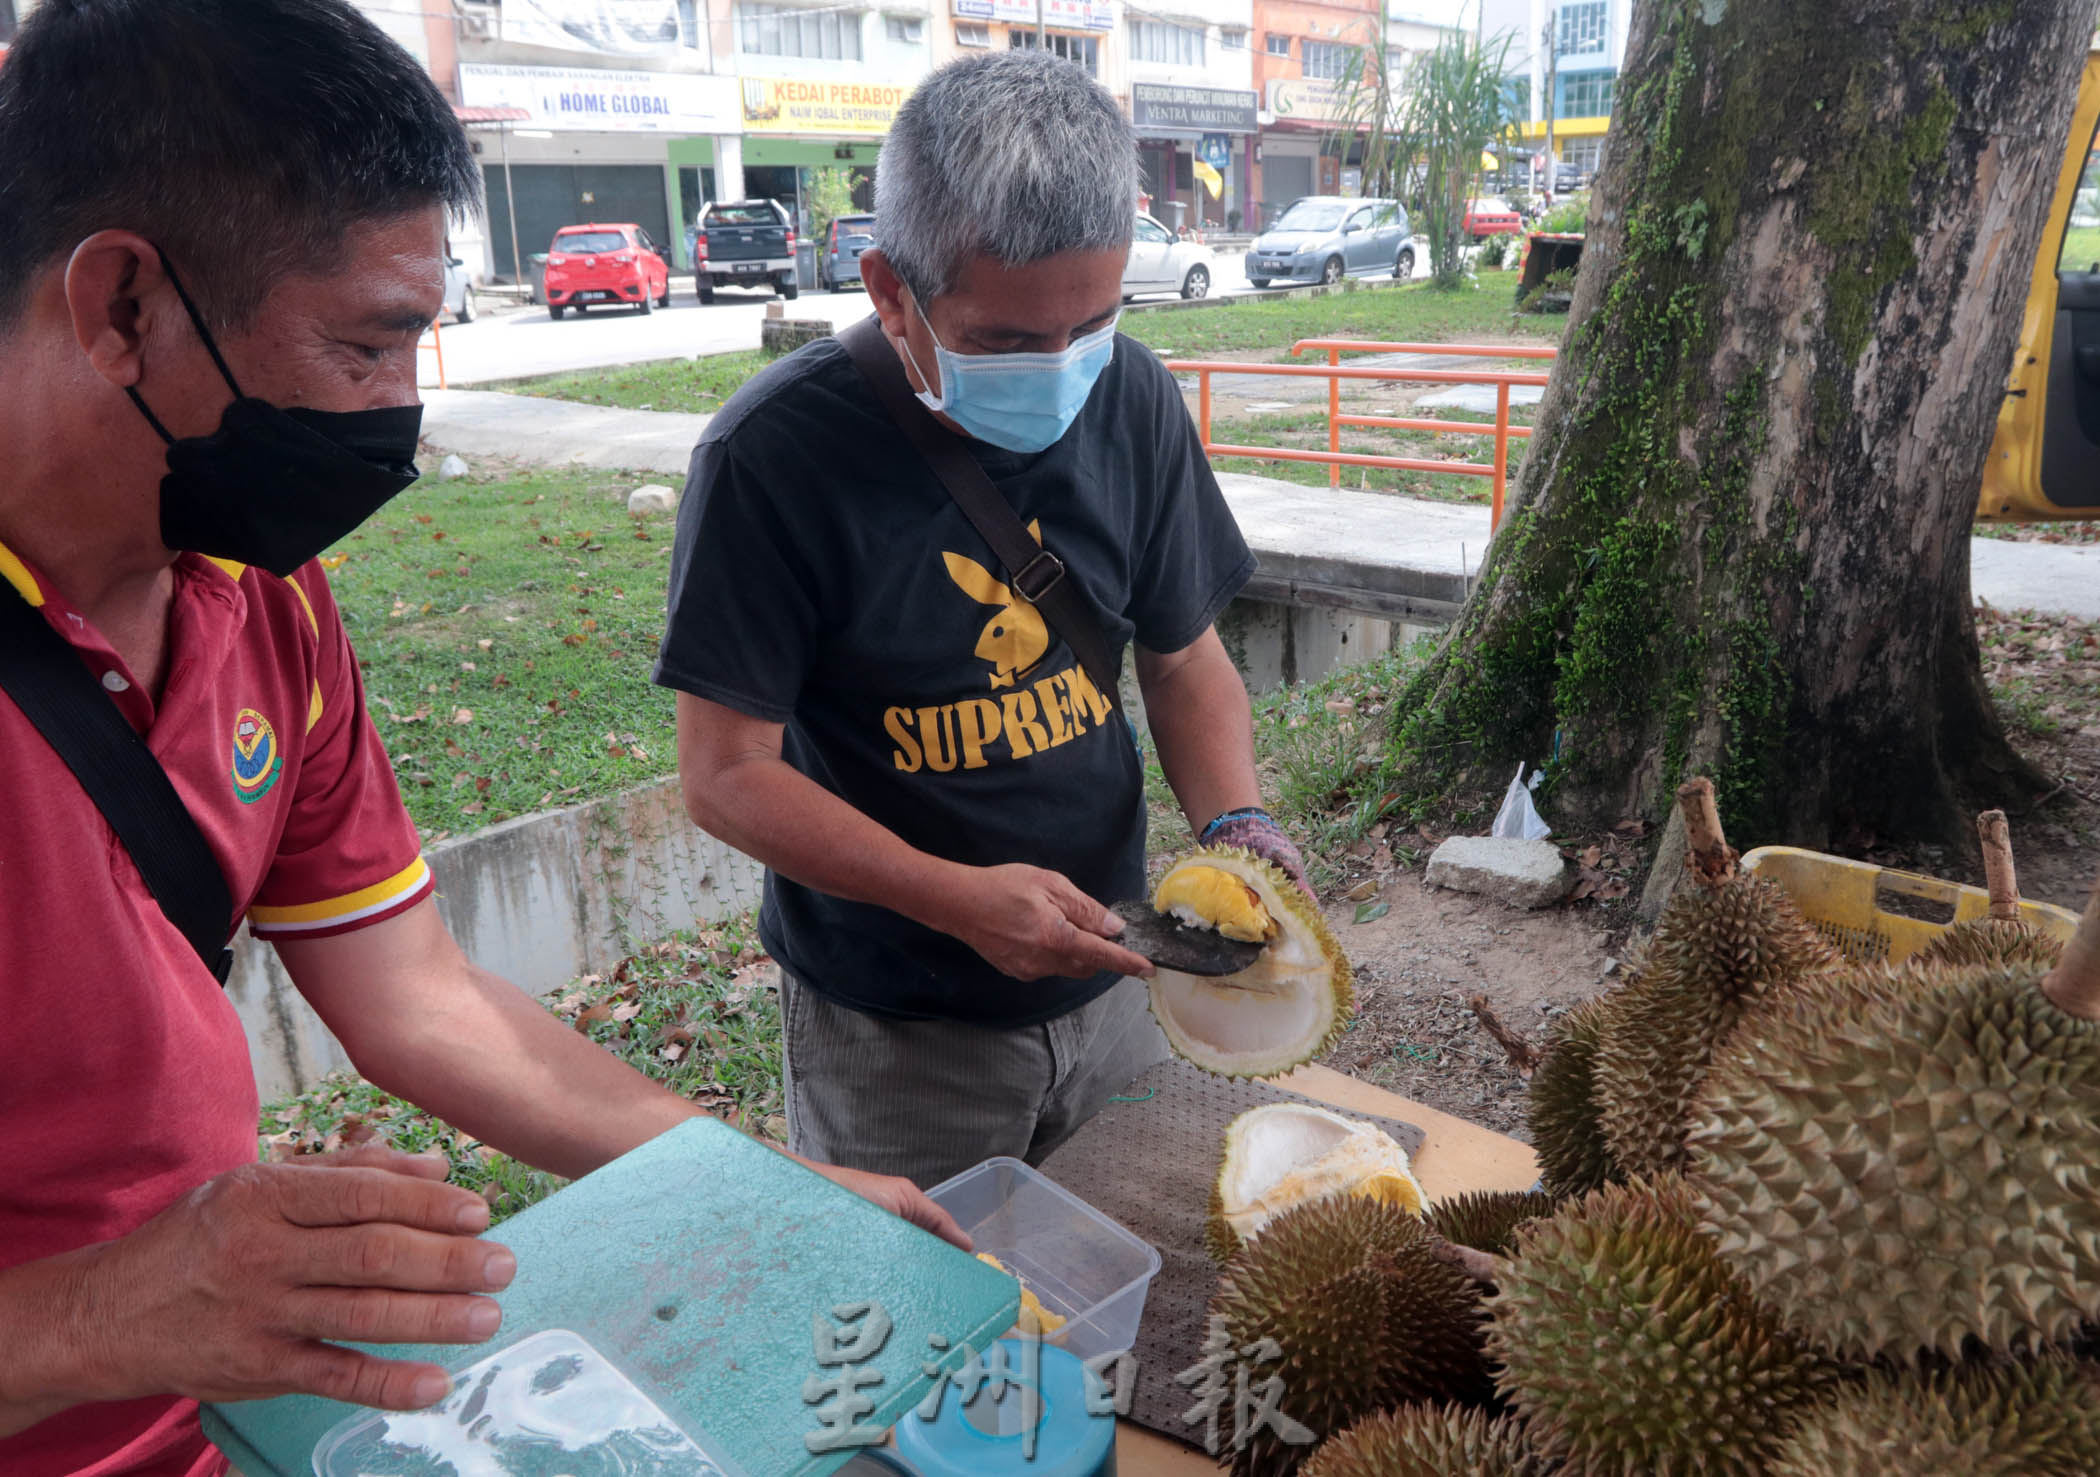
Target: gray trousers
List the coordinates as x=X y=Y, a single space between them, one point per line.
x=928 y=1099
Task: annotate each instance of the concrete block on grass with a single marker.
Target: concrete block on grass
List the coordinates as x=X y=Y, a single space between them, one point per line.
x=1512 y=871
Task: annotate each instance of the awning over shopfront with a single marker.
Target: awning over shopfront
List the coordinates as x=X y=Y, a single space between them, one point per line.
x=473 y=116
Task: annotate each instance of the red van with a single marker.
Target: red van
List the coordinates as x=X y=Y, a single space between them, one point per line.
x=606 y=264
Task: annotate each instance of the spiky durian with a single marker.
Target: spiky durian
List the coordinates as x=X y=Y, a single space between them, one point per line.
x=1279 y=1012
x=1364 y=1318
x=2003 y=937
x=1909 y=1169
x=1487 y=1220
x=1992 y=941
x=1721 y=945
x=1283 y=1155
x=1574 y=1157
x=1630 y=1349
x=1716 y=952
x=1428 y=1441
x=2026 y=1419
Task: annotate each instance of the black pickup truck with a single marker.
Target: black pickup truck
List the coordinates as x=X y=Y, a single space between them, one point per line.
x=743 y=243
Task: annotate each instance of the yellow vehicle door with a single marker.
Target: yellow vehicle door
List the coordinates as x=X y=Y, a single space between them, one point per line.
x=2045 y=456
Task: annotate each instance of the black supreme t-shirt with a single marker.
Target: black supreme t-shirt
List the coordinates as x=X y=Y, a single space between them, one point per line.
x=824 y=579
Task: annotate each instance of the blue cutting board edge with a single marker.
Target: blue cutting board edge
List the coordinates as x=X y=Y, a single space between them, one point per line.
x=925 y=1284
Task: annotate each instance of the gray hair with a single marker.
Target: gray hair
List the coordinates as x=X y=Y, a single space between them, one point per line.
x=1019 y=154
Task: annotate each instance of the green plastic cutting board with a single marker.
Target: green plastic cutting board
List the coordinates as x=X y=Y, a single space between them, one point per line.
x=697 y=1263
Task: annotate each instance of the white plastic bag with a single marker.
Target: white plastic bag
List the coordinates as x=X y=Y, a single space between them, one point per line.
x=1519 y=818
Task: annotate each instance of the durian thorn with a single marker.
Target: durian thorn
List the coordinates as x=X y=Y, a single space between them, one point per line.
x=1712 y=858
x=1478 y=1265
x=2074 y=985
x=1998 y=871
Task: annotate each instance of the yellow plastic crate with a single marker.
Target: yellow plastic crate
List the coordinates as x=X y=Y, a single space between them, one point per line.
x=1877 y=913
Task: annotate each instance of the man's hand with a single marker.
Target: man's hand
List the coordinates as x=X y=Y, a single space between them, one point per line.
x=232 y=1292
x=900 y=1197
x=1030 y=923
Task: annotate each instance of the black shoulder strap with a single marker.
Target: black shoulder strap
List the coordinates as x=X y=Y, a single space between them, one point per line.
x=1038 y=575
x=56 y=692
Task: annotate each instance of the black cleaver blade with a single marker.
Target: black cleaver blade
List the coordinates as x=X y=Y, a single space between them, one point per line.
x=1172 y=944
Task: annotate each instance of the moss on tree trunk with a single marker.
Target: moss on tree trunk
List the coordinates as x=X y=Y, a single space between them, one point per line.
x=1740 y=545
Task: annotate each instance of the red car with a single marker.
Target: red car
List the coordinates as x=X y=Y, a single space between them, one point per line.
x=606 y=264
x=1485 y=218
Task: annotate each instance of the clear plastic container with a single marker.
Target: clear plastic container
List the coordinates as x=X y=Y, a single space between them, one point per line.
x=548 y=1404
x=1079 y=1262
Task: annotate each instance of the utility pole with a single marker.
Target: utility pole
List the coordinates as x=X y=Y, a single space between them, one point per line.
x=1549 y=40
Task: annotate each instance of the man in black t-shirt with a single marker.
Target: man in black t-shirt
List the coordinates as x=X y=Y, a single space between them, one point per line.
x=943 y=798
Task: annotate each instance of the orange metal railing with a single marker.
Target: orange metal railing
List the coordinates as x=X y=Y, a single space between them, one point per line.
x=436 y=345
x=1335 y=372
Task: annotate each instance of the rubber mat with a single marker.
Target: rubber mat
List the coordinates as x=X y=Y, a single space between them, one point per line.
x=1148 y=1160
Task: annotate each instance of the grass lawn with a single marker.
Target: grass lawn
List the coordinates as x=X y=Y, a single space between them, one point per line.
x=1307 y=429
x=687 y=1012
x=1262 y=327
x=1417 y=313
x=698 y=385
x=506 y=625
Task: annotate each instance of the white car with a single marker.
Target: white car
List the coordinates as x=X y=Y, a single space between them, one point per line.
x=1160 y=263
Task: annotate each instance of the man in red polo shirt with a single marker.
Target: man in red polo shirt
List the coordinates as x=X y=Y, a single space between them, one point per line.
x=222 y=222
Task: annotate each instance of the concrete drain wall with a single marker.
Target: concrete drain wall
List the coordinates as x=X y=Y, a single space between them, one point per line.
x=539 y=900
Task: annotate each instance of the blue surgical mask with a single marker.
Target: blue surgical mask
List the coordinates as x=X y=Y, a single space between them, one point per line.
x=1023 y=402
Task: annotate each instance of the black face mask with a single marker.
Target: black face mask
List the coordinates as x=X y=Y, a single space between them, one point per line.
x=273 y=487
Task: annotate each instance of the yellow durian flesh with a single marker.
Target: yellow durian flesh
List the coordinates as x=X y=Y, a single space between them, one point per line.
x=1284 y=1155
x=1034 y=1318
x=1279 y=1012
x=1211 y=897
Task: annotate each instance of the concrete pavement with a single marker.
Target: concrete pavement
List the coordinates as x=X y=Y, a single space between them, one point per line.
x=1407 y=558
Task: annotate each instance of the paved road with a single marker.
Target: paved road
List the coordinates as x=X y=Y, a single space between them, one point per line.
x=513 y=344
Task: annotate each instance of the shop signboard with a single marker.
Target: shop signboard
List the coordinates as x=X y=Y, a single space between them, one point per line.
x=1160 y=107
x=616 y=27
x=1305 y=100
x=578 y=99
x=824 y=109
x=1061 y=15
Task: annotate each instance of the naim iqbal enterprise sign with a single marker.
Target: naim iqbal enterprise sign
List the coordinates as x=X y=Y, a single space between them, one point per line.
x=791 y=105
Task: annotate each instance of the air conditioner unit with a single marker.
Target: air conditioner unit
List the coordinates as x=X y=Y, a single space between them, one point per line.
x=478 y=24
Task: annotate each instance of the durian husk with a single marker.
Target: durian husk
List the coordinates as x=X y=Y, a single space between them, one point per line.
x=1365 y=1316
x=1629 y=1349
x=2038 y=1418
x=1987 y=941
x=1283 y=1155
x=1908 y=1166
x=1717 y=951
x=1561 y=1107
x=1278 y=1013
x=1428 y=1441
x=1488 y=1220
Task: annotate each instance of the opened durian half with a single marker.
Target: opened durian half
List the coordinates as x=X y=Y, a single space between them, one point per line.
x=1283 y=1155
x=1279 y=1012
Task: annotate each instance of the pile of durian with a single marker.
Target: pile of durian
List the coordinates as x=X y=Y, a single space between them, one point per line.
x=1800 y=1217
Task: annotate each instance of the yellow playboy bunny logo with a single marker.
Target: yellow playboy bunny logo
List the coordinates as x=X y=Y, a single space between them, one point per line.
x=1015 y=638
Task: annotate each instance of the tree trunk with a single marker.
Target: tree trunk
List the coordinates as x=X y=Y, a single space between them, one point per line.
x=1740 y=543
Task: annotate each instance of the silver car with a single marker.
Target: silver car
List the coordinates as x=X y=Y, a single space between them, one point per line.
x=1324 y=238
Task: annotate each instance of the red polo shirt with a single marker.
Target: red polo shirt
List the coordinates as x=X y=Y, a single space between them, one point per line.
x=124 y=1072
